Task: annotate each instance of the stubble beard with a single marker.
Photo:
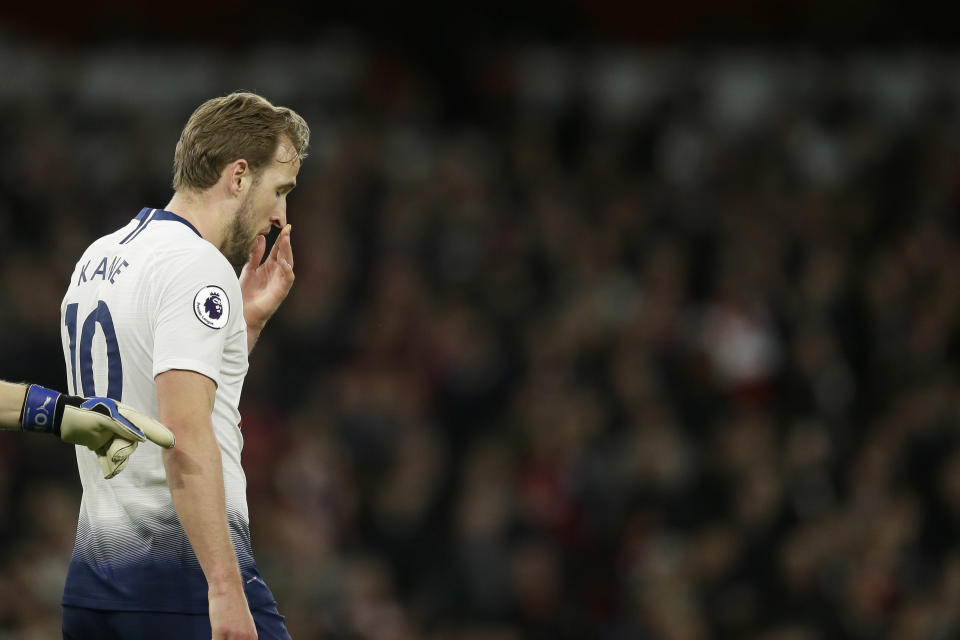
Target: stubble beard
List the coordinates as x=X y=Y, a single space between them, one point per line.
x=240 y=235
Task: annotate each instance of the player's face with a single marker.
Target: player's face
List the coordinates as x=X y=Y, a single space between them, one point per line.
x=264 y=206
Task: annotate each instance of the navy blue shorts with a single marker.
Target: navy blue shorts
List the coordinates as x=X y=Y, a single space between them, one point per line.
x=80 y=623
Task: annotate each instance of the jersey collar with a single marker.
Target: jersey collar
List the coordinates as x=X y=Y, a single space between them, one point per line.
x=162 y=214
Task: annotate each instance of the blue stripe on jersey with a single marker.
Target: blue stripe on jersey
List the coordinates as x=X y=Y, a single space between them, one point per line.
x=142 y=217
x=147 y=215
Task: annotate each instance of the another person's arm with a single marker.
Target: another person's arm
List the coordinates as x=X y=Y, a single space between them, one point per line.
x=110 y=429
x=195 y=477
x=11 y=403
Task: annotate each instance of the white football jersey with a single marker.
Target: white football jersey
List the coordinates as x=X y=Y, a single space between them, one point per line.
x=151 y=297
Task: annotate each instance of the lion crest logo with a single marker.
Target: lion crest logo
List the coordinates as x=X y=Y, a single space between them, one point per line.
x=212 y=306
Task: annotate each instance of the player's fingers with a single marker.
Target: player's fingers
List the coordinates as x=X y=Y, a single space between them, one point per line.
x=276 y=244
x=286 y=248
x=282 y=239
x=256 y=254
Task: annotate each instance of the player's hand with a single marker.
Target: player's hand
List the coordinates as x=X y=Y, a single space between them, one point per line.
x=111 y=429
x=266 y=285
x=230 y=617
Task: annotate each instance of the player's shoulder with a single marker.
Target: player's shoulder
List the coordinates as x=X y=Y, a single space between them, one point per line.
x=106 y=242
x=199 y=258
x=175 y=244
x=193 y=266
x=186 y=250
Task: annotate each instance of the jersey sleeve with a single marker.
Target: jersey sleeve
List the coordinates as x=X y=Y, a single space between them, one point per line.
x=197 y=307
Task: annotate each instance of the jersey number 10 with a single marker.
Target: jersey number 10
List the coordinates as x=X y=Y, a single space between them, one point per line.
x=100 y=315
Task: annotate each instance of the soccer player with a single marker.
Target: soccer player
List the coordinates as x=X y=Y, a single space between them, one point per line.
x=155 y=316
x=110 y=429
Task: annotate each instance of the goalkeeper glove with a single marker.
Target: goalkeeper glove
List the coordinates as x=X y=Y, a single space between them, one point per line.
x=108 y=428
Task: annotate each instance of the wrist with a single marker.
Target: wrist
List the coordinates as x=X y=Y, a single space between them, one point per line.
x=253 y=334
x=226 y=583
x=42 y=410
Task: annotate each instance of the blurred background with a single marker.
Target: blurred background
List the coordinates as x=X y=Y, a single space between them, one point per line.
x=611 y=321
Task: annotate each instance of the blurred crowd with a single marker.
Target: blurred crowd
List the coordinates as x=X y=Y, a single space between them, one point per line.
x=607 y=344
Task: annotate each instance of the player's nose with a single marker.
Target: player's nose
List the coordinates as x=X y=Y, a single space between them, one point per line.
x=279 y=219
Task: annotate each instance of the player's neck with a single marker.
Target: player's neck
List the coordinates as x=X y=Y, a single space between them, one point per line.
x=204 y=215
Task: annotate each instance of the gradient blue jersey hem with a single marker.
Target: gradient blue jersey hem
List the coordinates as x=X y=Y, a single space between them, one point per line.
x=157 y=587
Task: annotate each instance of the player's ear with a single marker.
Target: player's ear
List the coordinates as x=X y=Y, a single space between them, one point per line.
x=237 y=171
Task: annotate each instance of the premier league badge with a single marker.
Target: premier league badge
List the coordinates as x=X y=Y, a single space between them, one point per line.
x=212 y=306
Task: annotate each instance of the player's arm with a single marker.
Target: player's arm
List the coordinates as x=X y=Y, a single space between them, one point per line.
x=195 y=477
x=109 y=428
x=266 y=285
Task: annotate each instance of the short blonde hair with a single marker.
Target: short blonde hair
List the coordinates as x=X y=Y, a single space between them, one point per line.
x=239 y=125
